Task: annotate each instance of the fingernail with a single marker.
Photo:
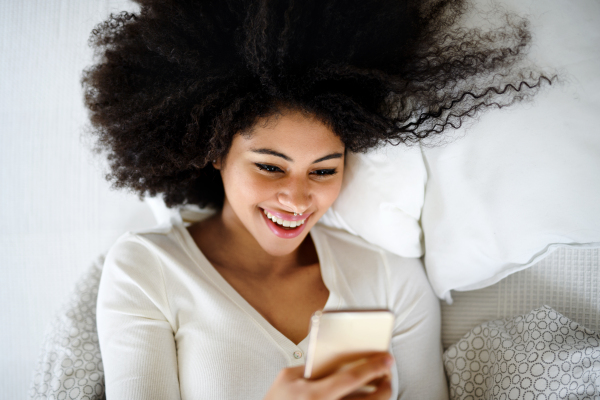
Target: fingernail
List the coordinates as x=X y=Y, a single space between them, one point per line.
x=389 y=361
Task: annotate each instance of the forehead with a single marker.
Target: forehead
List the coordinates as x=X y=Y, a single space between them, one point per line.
x=293 y=131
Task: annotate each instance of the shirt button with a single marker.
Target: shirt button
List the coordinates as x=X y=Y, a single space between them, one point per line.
x=297 y=354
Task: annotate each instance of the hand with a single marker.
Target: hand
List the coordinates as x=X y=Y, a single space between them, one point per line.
x=291 y=385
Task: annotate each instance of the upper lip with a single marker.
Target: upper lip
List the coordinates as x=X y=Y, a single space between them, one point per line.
x=287 y=217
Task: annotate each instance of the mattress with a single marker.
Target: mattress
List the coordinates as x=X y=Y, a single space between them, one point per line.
x=568 y=280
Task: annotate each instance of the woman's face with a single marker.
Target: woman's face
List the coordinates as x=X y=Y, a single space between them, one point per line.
x=288 y=164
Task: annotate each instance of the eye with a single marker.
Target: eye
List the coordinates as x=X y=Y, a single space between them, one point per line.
x=324 y=172
x=268 y=168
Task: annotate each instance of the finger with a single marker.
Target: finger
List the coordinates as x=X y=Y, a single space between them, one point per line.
x=378 y=389
x=383 y=392
x=291 y=374
x=342 y=383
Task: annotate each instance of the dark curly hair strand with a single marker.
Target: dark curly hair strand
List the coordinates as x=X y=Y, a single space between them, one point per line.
x=179 y=79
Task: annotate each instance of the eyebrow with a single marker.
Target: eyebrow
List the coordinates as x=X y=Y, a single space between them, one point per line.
x=277 y=154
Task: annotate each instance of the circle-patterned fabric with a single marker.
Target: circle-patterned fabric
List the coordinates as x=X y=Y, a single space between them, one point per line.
x=70 y=366
x=537 y=356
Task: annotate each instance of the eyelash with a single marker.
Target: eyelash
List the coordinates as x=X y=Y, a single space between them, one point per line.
x=272 y=169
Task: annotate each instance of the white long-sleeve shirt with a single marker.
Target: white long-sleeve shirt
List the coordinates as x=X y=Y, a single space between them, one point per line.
x=171 y=327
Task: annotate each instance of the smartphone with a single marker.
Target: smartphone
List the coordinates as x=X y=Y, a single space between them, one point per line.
x=343 y=337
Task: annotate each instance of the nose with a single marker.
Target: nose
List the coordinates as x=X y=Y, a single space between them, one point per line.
x=295 y=195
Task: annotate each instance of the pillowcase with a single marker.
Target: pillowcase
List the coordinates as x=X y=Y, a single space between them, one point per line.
x=381 y=198
x=540 y=355
x=524 y=180
x=70 y=364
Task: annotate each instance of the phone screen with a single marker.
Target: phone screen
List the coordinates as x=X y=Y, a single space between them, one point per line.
x=341 y=337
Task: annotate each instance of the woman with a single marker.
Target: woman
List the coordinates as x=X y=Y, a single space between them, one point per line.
x=249 y=107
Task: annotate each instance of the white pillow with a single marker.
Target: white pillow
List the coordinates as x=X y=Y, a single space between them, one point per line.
x=70 y=364
x=381 y=199
x=523 y=180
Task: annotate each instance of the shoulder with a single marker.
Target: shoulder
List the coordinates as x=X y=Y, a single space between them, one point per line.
x=133 y=280
x=340 y=241
x=141 y=254
x=371 y=272
x=349 y=246
x=160 y=238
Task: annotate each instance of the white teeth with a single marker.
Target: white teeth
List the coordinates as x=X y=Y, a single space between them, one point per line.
x=283 y=222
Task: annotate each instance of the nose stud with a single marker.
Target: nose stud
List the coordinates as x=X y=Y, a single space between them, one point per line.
x=297 y=214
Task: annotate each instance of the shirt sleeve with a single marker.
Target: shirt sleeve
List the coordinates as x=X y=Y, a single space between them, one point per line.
x=416 y=339
x=135 y=325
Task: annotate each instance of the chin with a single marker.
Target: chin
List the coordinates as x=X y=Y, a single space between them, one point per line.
x=281 y=247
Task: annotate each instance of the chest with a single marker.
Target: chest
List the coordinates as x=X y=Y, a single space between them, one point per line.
x=221 y=339
x=228 y=355
x=286 y=302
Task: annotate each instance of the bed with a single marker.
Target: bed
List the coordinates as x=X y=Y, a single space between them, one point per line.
x=504 y=213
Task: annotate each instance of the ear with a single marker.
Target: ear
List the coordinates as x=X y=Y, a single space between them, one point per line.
x=217 y=164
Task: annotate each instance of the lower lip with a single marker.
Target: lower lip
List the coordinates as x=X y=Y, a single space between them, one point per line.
x=281 y=231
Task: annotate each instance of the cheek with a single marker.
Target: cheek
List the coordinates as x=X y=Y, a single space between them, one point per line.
x=247 y=187
x=330 y=192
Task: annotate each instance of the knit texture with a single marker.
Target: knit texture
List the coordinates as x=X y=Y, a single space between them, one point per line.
x=568 y=280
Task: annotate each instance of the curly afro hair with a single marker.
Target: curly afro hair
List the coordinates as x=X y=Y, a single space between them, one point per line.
x=176 y=81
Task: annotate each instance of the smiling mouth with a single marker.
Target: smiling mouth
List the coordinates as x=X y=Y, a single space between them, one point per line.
x=288 y=225
x=278 y=225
